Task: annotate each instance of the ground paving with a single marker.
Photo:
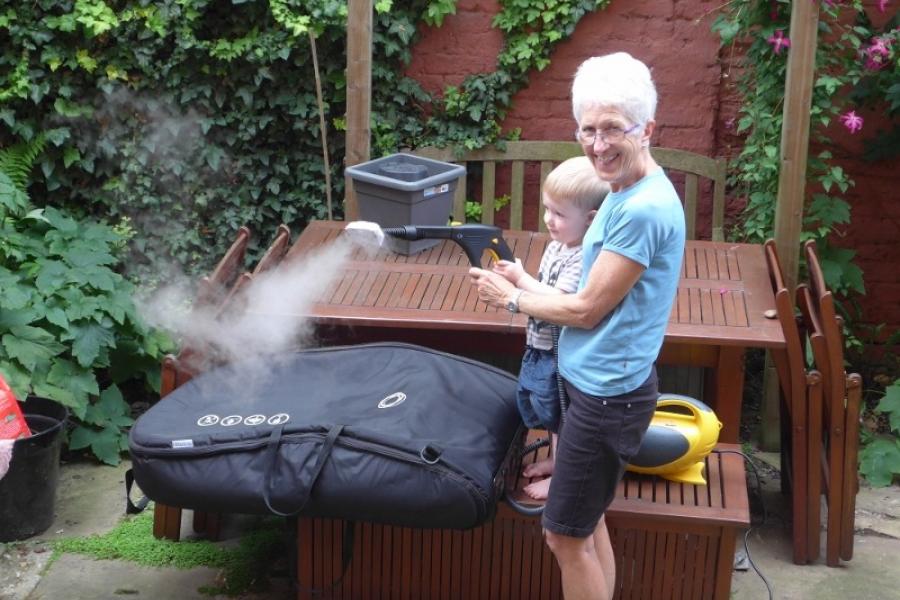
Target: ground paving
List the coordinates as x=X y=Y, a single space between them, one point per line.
x=91 y=500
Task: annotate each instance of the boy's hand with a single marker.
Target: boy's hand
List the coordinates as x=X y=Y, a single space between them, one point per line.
x=512 y=271
x=492 y=288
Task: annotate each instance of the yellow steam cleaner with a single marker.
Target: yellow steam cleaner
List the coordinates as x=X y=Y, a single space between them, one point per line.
x=682 y=432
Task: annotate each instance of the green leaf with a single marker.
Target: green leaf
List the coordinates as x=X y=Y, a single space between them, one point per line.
x=890 y=404
x=880 y=461
x=71 y=156
x=51 y=276
x=99 y=278
x=31 y=346
x=12 y=200
x=60 y=394
x=106 y=445
x=80 y=380
x=89 y=340
x=14 y=298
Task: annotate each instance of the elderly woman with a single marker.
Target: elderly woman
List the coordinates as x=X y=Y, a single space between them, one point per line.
x=615 y=322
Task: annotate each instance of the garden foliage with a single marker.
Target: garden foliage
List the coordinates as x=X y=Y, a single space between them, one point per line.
x=185 y=119
x=68 y=325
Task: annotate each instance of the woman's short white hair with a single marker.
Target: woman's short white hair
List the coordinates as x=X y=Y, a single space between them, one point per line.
x=617 y=81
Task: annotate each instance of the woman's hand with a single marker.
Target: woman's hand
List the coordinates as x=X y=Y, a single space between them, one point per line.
x=513 y=271
x=493 y=289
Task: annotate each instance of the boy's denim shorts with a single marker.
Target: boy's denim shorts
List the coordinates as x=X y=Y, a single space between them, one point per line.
x=537 y=395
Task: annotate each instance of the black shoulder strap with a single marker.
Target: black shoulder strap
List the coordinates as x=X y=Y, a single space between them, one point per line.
x=130 y=507
x=272 y=457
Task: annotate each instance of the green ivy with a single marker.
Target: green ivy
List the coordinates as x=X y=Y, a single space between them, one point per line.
x=194 y=117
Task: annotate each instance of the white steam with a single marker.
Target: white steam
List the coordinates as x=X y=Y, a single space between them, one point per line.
x=266 y=318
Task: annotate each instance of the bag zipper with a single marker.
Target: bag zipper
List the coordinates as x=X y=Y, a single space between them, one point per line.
x=343 y=440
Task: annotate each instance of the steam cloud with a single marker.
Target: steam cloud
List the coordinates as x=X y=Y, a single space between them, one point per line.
x=265 y=319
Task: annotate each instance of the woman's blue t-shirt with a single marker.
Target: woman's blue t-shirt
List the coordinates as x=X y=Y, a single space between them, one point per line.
x=645 y=223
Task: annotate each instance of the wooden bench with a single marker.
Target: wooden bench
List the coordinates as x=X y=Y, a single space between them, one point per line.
x=520 y=170
x=671 y=541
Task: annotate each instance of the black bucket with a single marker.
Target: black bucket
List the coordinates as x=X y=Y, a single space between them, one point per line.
x=28 y=491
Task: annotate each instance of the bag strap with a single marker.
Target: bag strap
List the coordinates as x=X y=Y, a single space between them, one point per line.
x=132 y=508
x=347 y=542
x=272 y=458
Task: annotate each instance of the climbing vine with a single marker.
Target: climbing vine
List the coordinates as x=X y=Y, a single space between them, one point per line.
x=856 y=65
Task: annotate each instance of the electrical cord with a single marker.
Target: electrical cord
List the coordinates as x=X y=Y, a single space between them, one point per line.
x=749 y=461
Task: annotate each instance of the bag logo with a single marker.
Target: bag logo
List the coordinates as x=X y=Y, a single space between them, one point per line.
x=392 y=400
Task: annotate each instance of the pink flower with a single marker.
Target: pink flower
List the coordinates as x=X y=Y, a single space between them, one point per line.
x=778 y=41
x=878 y=53
x=852 y=121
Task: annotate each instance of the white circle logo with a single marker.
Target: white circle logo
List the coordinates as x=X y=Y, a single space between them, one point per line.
x=254 y=420
x=392 y=400
x=207 y=420
x=231 y=420
x=278 y=419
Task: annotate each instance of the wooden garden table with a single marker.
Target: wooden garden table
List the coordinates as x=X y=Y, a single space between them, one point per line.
x=723 y=298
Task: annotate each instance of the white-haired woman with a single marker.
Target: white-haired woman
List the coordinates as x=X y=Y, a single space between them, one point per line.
x=613 y=326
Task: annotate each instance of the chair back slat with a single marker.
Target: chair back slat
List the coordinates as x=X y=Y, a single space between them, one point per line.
x=522 y=161
x=276 y=250
x=851 y=468
x=691 y=191
x=516 y=194
x=841 y=400
x=823 y=303
x=800 y=419
x=213 y=287
x=791 y=370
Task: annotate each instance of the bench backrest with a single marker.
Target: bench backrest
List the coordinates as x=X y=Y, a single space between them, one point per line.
x=530 y=159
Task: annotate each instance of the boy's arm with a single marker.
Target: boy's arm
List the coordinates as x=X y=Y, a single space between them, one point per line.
x=516 y=274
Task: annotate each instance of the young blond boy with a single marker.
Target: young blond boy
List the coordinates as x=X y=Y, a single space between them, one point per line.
x=571 y=196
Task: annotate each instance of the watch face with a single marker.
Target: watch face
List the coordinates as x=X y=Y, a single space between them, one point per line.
x=512 y=306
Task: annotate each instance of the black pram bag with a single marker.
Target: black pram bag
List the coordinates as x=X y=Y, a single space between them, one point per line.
x=389 y=433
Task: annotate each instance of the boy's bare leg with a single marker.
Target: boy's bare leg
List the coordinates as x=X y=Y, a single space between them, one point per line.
x=539 y=490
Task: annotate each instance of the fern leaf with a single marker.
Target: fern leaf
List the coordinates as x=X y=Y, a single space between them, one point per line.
x=16 y=161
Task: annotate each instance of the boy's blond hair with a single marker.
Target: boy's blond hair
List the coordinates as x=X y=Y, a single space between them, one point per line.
x=574 y=181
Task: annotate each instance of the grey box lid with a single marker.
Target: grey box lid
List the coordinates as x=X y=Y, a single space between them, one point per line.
x=405 y=166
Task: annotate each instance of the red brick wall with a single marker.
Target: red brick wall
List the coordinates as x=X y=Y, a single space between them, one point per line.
x=695 y=112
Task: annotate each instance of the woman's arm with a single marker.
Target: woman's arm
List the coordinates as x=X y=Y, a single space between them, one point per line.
x=611 y=277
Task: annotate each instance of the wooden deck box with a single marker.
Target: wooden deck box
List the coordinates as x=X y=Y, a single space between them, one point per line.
x=671 y=541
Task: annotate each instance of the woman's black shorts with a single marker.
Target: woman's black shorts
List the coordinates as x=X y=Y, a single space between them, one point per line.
x=598 y=438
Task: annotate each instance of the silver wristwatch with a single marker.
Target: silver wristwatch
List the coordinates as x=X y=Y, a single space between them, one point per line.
x=513 y=305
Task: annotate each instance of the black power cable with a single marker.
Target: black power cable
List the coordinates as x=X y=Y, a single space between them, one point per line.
x=749 y=461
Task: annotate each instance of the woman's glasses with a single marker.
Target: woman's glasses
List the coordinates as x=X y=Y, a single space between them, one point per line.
x=610 y=135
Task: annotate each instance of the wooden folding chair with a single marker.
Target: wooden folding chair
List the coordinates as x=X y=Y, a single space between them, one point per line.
x=270 y=259
x=841 y=405
x=800 y=417
x=212 y=292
